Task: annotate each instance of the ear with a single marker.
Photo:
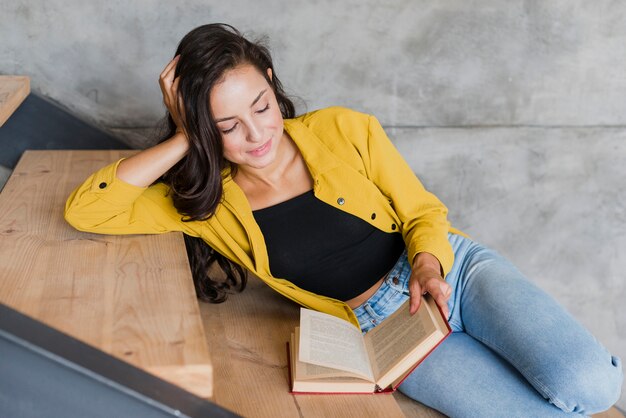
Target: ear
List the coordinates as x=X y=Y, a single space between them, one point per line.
x=269 y=73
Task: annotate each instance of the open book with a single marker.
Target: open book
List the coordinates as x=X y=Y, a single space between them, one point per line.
x=330 y=355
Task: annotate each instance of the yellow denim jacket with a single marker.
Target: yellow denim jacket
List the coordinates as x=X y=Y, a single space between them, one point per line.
x=355 y=168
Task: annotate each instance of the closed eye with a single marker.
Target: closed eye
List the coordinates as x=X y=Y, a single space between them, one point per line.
x=226 y=131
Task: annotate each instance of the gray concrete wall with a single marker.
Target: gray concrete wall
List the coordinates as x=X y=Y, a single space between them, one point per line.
x=416 y=63
x=513 y=112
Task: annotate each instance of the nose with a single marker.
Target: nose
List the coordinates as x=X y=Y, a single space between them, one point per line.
x=255 y=132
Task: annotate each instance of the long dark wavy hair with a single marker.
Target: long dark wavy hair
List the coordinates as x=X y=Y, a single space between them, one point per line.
x=195 y=182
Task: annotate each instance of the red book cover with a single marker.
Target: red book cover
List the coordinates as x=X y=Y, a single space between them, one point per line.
x=386 y=390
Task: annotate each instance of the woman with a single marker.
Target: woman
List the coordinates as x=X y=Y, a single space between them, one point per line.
x=324 y=210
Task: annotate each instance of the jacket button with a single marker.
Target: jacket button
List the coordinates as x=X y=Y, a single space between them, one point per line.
x=395 y=280
x=373 y=216
x=102 y=185
x=341 y=201
x=393 y=227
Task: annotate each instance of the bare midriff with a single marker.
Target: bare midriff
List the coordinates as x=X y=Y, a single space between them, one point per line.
x=359 y=300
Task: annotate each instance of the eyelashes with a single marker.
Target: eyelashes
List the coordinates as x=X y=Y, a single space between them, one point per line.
x=227 y=131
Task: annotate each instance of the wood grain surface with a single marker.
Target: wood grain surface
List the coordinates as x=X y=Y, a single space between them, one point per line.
x=133 y=297
x=130 y=296
x=13 y=91
x=247 y=338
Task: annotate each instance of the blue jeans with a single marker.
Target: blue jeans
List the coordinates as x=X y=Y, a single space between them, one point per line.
x=514 y=351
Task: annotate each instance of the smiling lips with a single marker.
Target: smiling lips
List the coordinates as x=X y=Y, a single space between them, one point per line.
x=262 y=150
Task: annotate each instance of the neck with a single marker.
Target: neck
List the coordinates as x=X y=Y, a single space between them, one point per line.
x=273 y=174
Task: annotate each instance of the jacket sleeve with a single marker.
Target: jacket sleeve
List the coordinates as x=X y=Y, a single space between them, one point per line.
x=105 y=204
x=423 y=216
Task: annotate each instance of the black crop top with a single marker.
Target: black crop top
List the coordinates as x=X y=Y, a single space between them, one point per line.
x=324 y=250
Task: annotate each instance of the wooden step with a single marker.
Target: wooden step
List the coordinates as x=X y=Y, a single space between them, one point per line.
x=119 y=294
x=13 y=91
x=246 y=336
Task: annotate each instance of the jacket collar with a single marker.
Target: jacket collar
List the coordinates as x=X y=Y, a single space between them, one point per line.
x=318 y=157
x=319 y=160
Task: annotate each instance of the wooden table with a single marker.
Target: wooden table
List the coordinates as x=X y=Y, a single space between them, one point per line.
x=13 y=91
x=130 y=296
x=122 y=295
x=247 y=336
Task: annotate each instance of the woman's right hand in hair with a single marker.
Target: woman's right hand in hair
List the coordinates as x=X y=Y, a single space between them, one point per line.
x=171 y=99
x=147 y=166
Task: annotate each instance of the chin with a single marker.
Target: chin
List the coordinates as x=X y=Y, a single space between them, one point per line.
x=264 y=162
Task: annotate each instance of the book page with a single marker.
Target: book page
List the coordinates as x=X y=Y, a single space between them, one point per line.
x=332 y=382
x=392 y=340
x=332 y=342
x=308 y=371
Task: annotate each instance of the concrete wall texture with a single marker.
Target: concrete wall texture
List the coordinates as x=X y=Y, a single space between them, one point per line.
x=513 y=112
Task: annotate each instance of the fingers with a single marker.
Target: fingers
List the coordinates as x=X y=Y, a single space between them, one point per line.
x=170 y=68
x=171 y=99
x=432 y=284
x=440 y=291
x=174 y=99
x=180 y=118
x=167 y=82
x=415 y=295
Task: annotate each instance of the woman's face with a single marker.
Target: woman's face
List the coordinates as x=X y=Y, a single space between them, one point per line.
x=245 y=109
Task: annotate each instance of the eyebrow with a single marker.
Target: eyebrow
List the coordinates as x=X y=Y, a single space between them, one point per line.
x=252 y=104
